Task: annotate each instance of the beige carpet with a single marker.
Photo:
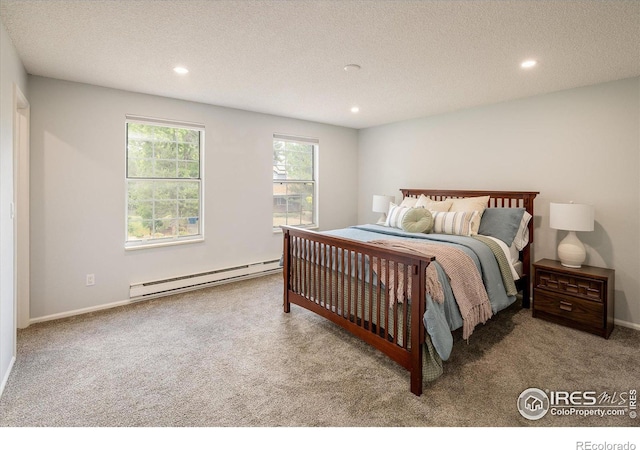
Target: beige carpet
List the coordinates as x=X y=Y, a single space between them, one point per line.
x=228 y=356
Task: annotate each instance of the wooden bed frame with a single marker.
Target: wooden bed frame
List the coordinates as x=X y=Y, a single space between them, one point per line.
x=326 y=274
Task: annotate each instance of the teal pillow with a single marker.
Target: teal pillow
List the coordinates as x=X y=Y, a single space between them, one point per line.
x=501 y=223
x=417 y=220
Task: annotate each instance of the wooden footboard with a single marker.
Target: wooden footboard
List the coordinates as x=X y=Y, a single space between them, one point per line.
x=337 y=278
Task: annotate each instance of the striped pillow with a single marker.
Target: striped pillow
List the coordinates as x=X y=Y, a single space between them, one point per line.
x=460 y=223
x=395 y=215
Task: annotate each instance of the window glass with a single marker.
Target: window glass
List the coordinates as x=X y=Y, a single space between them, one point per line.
x=164 y=183
x=294 y=183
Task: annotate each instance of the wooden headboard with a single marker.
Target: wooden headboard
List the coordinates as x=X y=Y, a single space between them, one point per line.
x=497 y=199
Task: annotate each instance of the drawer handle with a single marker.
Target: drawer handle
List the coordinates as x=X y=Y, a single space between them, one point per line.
x=565 y=306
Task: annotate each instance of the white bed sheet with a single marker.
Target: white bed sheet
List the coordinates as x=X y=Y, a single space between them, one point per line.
x=516 y=272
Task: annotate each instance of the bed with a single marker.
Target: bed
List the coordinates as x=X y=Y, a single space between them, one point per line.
x=405 y=289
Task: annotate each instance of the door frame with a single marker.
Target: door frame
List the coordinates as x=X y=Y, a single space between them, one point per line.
x=20 y=208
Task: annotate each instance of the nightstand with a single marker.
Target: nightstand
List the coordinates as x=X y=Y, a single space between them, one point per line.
x=578 y=298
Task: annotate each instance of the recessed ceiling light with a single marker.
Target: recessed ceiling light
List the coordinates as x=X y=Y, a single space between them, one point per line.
x=181 y=70
x=529 y=63
x=351 y=67
x=355 y=109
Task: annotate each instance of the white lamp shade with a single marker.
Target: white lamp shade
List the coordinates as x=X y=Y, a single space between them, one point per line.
x=381 y=203
x=571 y=216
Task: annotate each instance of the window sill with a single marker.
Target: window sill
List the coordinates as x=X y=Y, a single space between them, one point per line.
x=147 y=245
x=279 y=230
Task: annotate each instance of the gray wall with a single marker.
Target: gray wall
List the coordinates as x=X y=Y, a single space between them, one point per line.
x=78 y=191
x=580 y=145
x=11 y=72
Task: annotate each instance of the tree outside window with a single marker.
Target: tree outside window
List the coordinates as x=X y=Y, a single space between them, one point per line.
x=164 y=183
x=294 y=184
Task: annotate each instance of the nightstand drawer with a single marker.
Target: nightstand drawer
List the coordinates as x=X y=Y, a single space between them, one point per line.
x=586 y=288
x=570 y=308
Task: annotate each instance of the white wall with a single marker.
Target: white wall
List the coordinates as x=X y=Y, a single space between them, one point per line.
x=78 y=191
x=11 y=73
x=581 y=145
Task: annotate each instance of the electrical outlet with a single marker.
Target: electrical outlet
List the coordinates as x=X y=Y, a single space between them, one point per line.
x=91 y=279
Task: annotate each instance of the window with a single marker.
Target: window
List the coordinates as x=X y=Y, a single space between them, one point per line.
x=164 y=182
x=294 y=181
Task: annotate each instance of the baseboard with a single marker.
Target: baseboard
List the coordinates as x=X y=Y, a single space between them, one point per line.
x=624 y=323
x=5 y=379
x=77 y=312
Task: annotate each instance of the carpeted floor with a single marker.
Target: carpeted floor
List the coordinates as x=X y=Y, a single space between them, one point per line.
x=228 y=356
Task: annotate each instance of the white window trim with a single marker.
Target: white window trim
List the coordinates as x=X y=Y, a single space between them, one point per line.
x=139 y=245
x=316 y=193
x=166 y=242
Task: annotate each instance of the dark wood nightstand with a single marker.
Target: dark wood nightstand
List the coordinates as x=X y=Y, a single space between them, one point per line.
x=578 y=298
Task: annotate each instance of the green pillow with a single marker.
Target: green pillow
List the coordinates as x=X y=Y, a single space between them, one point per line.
x=417 y=220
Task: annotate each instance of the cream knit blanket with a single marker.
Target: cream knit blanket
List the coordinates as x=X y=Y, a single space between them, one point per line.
x=466 y=282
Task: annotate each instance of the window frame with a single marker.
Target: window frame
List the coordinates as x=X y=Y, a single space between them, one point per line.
x=174 y=240
x=315 y=143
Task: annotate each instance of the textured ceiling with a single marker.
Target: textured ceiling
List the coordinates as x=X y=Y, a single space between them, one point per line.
x=286 y=57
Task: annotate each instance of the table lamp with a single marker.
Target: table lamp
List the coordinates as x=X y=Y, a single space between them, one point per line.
x=381 y=205
x=571 y=217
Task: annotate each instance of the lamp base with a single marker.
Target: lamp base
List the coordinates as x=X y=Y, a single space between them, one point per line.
x=382 y=220
x=571 y=251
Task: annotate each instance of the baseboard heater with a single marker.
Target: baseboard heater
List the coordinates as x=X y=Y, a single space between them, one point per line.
x=200 y=280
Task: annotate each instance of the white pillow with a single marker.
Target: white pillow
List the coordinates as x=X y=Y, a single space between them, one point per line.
x=471 y=204
x=522 y=236
x=458 y=222
x=409 y=202
x=432 y=205
x=395 y=215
